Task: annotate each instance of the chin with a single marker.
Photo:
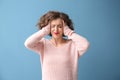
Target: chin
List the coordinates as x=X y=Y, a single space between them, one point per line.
x=54 y=36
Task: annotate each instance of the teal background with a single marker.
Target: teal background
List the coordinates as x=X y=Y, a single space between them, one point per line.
x=97 y=20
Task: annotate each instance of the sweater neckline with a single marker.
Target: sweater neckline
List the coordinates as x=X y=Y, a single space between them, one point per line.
x=63 y=45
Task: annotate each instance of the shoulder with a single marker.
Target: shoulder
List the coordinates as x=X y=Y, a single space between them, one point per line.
x=71 y=42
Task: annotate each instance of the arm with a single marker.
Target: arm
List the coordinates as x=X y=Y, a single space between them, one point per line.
x=81 y=43
x=35 y=41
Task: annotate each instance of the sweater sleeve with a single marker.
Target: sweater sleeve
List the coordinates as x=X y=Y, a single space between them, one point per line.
x=36 y=41
x=81 y=43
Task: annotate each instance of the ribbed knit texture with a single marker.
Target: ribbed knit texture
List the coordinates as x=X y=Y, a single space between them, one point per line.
x=58 y=63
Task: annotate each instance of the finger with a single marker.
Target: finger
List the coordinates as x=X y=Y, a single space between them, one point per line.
x=64 y=23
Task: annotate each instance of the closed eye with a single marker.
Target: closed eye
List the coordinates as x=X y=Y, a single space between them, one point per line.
x=60 y=26
x=52 y=26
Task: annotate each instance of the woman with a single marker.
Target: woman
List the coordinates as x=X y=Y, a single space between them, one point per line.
x=58 y=55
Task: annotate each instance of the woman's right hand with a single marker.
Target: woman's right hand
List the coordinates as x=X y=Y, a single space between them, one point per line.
x=47 y=29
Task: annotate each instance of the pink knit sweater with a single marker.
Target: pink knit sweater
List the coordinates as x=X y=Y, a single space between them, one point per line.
x=58 y=63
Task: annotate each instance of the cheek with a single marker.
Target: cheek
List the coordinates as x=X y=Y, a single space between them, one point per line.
x=51 y=30
x=61 y=30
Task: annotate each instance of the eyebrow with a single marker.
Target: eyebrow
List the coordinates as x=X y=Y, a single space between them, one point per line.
x=57 y=24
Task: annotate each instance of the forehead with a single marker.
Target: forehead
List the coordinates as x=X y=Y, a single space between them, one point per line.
x=57 y=21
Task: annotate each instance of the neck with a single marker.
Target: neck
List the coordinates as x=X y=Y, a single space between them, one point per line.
x=57 y=41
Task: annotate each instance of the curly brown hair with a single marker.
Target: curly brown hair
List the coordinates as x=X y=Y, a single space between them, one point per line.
x=52 y=15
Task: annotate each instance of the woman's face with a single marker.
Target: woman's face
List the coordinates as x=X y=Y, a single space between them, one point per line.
x=57 y=28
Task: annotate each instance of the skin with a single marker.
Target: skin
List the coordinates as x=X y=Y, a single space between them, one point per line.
x=57 y=31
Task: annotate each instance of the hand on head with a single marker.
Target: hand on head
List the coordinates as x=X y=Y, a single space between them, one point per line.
x=67 y=30
x=47 y=28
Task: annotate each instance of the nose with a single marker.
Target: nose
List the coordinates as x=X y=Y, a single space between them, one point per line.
x=56 y=29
